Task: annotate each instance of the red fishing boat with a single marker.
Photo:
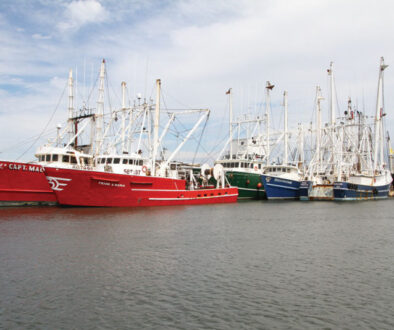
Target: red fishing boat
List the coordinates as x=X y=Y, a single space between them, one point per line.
x=93 y=188
x=123 y=178
x=24 y=184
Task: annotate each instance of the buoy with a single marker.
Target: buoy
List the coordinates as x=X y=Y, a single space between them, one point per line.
x=144 y=168
x=247 y=181
x=259 y=185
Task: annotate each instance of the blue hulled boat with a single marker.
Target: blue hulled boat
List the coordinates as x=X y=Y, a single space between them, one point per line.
x=281 y=182
x=363 y=187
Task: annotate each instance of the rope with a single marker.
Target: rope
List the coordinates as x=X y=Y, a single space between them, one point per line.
x=46 y=126
x=199 y=141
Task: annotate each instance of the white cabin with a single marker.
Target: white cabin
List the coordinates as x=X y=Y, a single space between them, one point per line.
x=63 y=158
x=123 y=164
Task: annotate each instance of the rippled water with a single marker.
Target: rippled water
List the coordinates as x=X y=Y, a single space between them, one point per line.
x=249 y=265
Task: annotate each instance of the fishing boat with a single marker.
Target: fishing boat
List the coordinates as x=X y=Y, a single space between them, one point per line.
x=370 y=179
x=152 y=181
x=25 y=183
x=244 y=157
x=323 y=167
x=282 y=181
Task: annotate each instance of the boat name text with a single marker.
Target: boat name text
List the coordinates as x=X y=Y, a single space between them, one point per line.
x=110 y=184
x=21 y=167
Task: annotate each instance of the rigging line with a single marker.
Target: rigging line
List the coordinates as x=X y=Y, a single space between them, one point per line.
x=178 y=101
x=213 y=149
x=337 y=100
x=93 y=88
x=109 y=99
x=47 y=124
x=25 y=141
x=165 y=103
x=199 y=141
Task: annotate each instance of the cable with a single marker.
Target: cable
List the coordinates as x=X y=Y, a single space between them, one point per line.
x=47 y=124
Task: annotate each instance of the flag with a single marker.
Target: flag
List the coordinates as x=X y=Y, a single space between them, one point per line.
x=229 y=91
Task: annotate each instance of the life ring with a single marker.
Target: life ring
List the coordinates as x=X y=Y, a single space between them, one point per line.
x=144 y=169
x=255 y=167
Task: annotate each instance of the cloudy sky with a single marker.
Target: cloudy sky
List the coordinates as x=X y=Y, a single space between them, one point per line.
x=199 y=49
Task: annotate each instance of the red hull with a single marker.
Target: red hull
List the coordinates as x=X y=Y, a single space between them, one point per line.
x=90 y=188
x=24 y=184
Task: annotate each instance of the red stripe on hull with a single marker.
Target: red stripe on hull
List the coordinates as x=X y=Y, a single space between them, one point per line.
x=24 y=183
x=89 y=188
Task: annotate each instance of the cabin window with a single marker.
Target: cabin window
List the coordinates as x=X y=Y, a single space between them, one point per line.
x=109 y=160
x=124 y=161
x=55 y=158
x=236 y=164
x=48 y=158
x=73 y=160
x=66 y=159
x=140 y=162
x=116 y=160
x=259 y=166
x=130 y=161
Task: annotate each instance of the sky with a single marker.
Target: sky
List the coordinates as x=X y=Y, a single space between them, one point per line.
x=199 y=49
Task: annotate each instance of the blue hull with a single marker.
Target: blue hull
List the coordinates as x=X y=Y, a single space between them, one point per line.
x=305 y=187
x=279 y=188
x=345 y=191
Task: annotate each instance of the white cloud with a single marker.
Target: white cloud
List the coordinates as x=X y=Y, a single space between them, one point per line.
x=41 y=36
x=79 y=13
x=201 y=48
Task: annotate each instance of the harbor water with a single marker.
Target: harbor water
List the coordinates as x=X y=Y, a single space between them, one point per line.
x=250 y=265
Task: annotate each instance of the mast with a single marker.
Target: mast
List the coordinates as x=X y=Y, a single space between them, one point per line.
x=100 y=110
x=378 y=118
x=123 y=115
x=229 y=92
x=388 y=146
x=319 y=98
x=332 y=94
x=156 y=127
x=301 y=147
x=267 y=117
x=285 y=161
x=70 y=104
x=334 y=159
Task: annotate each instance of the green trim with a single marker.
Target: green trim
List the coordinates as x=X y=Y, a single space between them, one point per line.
x=246 y=184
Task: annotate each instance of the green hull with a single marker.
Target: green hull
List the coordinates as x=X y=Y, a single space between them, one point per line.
x=249 y=184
